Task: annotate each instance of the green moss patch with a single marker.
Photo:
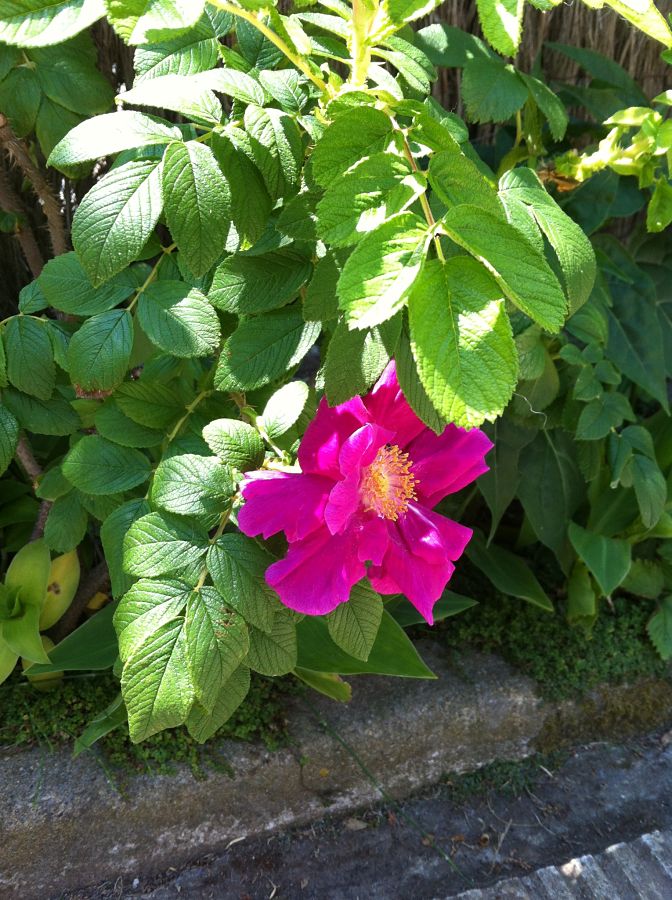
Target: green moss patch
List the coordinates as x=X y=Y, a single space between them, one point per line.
x=55 y=718
x=565 y=661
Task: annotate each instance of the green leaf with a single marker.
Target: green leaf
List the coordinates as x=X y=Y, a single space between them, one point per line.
x=263 y=348
x=602 y=415
x=55 y=416
x=572 y=247
x=217 y=642
x=203 y=725
x=91 y=647
x=112 y=535
x=355 y=135
x=550 y=105
x=326 y=683
x=353 y=626
x=184 y=94
x=116 y=218
x=197 y=202
x=581 y=599
x=659 y=212
x=491 y=91
x=508 y=572
x=284 y=86
x=159 y=544
x=253 y=284
x=356 y=359
x=233 y=83
x=150 y=403
x=99 y=352
x=9 y=436
x=650 y=489
x=646 y=578
x=273 y=652
x=237 y=566
x=145 y=21
x=30 y=359
x=377 y=276
x=235 y=443
x=499 y=485
x=66 y=286
x=20 y=97
x=284 y=408
x=446 y=45
x=462 y=341
x=97 y=466
x=646 y=17
x=552 y=487
x=179 y=319
x=192 y=485
x=277 y=147
x=149 y=604
x=367 y=195
x=659 y=628
x=450 y=604
x=250 y=202
x=194 y=51
x=502 y=23
x=455 y=179
x=37 y=23
x=413 y=389
x=608 y=559
x=392 y=653
x=110 y=133
x=66 y=523
x=111 y=423
x=517 y=266
x=112 y=717
x=155 y=683
x=320 y=302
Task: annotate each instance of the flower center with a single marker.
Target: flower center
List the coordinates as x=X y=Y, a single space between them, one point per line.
x=388 y=485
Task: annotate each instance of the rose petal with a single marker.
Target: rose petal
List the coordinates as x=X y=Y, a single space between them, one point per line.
x=388 y=407
x=326 y=434
x=318 y=573
x=357 y=452
x=444 y=464
x=419 y=558
x=283 y=501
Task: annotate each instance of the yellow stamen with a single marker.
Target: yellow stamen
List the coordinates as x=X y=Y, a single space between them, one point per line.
x=388 y=485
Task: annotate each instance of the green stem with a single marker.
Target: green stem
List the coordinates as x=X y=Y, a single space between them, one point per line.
x=152 y=275
x=188 y=411
x=213 y=540
x=275 y=39
x=424 y=202
x=363 y=12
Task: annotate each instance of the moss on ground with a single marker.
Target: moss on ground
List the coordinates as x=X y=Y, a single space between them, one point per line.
x=55 y=718
x=510 y=778
x=565 y=661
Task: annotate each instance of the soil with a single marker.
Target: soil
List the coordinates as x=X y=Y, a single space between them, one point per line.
x=468 y=831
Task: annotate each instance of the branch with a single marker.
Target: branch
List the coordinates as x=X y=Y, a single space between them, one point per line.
x=25 y=456
x=97 y=580
x=11 y=202
x=50 y=205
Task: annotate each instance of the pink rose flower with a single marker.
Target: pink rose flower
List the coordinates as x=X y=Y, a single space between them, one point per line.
x=371 y=473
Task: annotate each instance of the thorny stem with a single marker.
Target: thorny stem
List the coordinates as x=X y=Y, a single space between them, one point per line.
x=50 y=205
x=97 y=580
x=188 y=411
x=152 y=275
x=26 y=458
x=424 y=203
x=363 y=12
x=11 y=202
x=274 y=38
x=213 y=540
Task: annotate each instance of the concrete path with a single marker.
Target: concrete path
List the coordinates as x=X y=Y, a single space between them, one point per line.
x=539 y=830
x=639 y=870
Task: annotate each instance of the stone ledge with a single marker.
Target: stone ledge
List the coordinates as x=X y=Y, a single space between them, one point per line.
x=65 y=825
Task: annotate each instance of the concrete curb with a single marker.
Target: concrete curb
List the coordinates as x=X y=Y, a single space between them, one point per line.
x=64 y=825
